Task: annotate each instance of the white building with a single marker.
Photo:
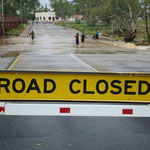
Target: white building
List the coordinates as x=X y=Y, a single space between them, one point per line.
x=74 y=17
x=46 y=17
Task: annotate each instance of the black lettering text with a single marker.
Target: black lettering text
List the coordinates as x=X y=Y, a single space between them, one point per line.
x=71 y=86
x=33 y=86
x=46 y=86
x=127 y=86
x=85 y=88
x=98 y=86
x=5 y=86
x=22 y=87
x=140 y=92
x=119 y=89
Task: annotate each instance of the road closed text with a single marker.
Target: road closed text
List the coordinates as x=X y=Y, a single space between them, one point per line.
x=19 y=86
x=101 y=86
x=74 y=87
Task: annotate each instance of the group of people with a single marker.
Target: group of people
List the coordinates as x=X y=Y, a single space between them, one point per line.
x=83 y=36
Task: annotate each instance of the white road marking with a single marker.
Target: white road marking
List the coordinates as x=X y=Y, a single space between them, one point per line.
x=82 y=63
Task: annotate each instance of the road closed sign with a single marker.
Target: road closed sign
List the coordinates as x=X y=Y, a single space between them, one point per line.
x=73 y=86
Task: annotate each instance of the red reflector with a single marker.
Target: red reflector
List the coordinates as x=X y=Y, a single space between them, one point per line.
x=2 y=109
x=64 y=110
x=127 y=111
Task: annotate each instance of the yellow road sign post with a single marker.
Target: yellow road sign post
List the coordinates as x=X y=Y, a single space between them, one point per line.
x=74 y=86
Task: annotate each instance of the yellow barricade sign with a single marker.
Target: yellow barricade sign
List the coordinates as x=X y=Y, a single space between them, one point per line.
x=71 y=86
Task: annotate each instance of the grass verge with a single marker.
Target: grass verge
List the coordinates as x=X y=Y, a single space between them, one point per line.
x=91 y=30
x=88 y=29
x=17 y=31
x=105 y=30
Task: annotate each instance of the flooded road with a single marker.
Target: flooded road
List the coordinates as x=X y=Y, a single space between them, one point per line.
x=54 y=49
x=10 y=48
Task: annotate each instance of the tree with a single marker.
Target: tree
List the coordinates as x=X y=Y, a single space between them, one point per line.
x=146 y=11
x=46 y=9
x=9 y=8
x=26 y=8
x=29 y=7
x=40 y=9
x=62 y=8
x=124 y=13
x=89 y=9
x=78 y=6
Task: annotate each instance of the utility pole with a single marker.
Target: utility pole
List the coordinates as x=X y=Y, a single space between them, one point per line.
x=3 y=27
x=21 y=11
x=146 y=19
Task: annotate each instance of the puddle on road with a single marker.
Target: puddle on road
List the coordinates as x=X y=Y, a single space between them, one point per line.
x=32 y=42
x=7 y=41
x=10 y=54
x=11 y=40
x=4 y=38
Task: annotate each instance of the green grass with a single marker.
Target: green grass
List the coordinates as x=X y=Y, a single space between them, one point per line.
x=88 y=29
x=17 y=31
x=104 y=29
x=144 y=37
x=140 y=22
x=141 y=31
x=118 y=38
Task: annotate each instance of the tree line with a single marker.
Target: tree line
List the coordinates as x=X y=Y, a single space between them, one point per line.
x=122 y=14
x=23 y=8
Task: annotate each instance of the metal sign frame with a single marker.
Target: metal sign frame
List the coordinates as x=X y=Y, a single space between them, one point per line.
x=26 y=108
x=74 y=86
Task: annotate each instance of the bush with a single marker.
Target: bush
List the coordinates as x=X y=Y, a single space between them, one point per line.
x=78 y=21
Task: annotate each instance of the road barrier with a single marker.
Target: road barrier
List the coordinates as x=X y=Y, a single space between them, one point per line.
x=74 y=109
x=11 y=22
x=74 y=93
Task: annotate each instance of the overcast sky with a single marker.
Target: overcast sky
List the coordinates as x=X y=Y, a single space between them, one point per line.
x=43 y=2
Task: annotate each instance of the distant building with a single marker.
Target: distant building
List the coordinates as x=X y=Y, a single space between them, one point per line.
x=75 y=17
x=46 y=17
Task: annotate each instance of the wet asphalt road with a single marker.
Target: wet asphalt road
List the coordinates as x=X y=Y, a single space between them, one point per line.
x=74 y=133
x=54 y=49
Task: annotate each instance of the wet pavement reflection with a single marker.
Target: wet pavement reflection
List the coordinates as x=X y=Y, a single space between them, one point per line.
x=54 y=49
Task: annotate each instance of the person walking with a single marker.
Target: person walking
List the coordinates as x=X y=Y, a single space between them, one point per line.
x=83 y=36
x=97 y=35
x=77 y=39
x=32 y=34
